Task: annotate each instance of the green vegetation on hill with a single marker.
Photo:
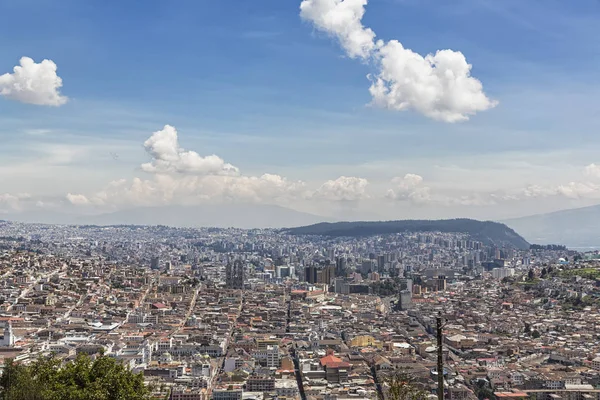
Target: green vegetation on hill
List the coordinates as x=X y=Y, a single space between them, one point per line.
x=587 y=273
x=82 y=379
x=488 y=232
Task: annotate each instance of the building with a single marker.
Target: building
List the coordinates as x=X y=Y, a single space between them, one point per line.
x=340 y=266
x=260 y=383
x=327 y=274
x=404 y=300
x=8 y=340
x=500 y=273
x=234 y=275
x=310 y=274
x=367 y=266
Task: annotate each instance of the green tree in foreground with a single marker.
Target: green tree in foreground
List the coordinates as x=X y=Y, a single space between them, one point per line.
x=83 y=379
x=400 y=386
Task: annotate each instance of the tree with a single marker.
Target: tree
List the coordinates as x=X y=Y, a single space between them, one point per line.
x=535 y=334
x=81 y=379
x=530 y=275
x=400 y=386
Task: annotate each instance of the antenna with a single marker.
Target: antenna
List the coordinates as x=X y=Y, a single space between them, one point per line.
x=440 y=357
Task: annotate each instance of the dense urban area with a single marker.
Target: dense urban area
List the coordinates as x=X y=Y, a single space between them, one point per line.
x=231 y=314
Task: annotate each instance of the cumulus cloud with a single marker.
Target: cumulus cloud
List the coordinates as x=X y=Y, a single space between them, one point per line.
x=576 y=190
x=77 y=199
x=344 y=188
x=592 y=170
x=342 y=20
x=439 y=86
x=12 y=202
x=408 y=188
x=533 y=191
x=185 y=177
x=169 y=157
x=33 y=83
x=188 y=190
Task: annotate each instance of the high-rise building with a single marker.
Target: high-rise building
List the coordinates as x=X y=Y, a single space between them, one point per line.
x=441 y=283
x=155 y=263
x=327 y=274
x=404 y=300
x=234 y=275
x=406 y=284
x=310 y=274
x=331 y=254
x=340 y=266
x=380 y=263
x=367 y=266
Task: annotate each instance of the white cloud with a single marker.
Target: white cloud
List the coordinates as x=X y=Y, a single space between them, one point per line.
x=341 y=19
x=168 y=157
x=533 y=191
x=77 y=199
x=344 y=188
x=592 y=170
x=576 y=190
x=33 y=83
x=408 y=182
x=408 y=188
x=190 y=189
x=12 y=202
x=185 y=177
x=439 y=86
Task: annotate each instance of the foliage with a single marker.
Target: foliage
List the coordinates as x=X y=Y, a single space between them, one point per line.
x=587 y=273
x=485 y=231
x=82 y=379
x=388 y=287
x=483 y=390
x=548 y=247
x=400 y=386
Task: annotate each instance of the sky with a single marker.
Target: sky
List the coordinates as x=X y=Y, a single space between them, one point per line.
x=354 y=109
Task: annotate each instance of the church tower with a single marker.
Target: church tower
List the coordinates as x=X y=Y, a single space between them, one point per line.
x=9 y=337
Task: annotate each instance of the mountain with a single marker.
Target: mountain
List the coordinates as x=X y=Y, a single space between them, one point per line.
x=574 y=228
x=220 y=216
x=491 y=233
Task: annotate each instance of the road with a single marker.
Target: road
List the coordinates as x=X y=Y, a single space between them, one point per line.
x=71 y=309
x=189 y=312
x=142 y=299
x=30 y=288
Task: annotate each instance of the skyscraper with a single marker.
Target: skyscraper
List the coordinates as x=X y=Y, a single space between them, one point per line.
x=340 y=266
x=234 y=275
x=310 y=274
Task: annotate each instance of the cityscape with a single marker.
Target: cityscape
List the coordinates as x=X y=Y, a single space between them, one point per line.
x=262 y=314
x=299 y=200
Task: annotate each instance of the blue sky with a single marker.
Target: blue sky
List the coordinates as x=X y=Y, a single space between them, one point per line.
x=270 y=92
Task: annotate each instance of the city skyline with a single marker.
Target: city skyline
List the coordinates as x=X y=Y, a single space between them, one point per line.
x=298 y=104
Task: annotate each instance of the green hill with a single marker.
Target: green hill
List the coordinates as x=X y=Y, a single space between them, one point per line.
x=488 y=232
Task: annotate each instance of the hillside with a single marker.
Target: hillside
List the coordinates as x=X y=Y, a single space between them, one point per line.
x=491 y=233
x=575 y=228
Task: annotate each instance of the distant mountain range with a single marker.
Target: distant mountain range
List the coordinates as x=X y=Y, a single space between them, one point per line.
x=491 y=233
x=575 y=228
x=219 y=216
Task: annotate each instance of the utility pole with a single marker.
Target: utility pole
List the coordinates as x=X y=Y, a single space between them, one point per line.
x=440 y=359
